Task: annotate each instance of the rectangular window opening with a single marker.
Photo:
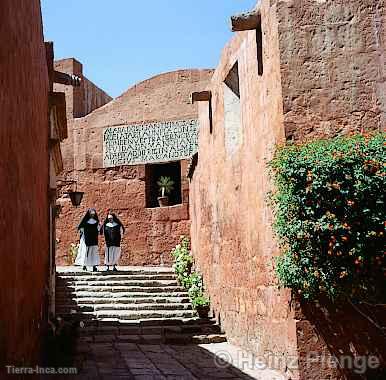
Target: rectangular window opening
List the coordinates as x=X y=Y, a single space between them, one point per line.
x=153 y=173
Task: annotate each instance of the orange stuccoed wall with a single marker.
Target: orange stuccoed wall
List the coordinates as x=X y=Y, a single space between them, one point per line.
x=24 y=174
x=323 y=75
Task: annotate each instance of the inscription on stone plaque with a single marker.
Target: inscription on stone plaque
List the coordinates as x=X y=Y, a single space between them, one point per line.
x=149 y=143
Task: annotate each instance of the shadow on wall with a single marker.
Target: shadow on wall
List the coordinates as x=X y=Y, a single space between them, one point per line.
x=348 y=333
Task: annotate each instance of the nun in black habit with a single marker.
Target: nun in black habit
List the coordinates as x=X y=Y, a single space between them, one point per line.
x=112 y=229
x=88 y=246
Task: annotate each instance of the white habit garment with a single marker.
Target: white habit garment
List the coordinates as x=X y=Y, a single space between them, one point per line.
x=87 y=256
x=112 y=254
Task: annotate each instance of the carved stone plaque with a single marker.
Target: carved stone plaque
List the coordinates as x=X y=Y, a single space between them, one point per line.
x=149 y=143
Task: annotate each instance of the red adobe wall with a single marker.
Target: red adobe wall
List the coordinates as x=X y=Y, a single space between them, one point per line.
x=80 y=101
x=24 y=241
x=83 y=99
x=308 y=89
x=150 y=233
x=332 y=66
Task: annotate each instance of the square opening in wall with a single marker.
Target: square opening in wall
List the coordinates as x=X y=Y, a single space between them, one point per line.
x=154 y=172
x=232 y=110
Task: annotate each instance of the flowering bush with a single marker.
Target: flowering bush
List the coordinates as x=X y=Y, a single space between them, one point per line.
x=330 y=216
x=190 y=280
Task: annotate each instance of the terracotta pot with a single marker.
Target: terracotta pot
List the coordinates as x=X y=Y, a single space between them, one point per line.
x=163 y=201
x=203 y=311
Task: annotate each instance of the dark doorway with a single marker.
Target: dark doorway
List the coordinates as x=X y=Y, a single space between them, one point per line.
x=153 y=174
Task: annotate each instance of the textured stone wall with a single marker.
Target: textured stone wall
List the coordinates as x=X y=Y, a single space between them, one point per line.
x=309 y=89
x=24 y=241
x=151 y=233
x=93 y=97
x=332 y=66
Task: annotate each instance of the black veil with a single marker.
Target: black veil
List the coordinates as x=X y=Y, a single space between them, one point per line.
x=86 y=218
x=116 y=220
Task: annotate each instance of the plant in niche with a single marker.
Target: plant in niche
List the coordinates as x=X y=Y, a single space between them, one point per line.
x=166 y=185
x=330 y=217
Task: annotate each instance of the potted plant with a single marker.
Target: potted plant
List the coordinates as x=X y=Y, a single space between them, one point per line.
x=202 y=305
x=166 y=185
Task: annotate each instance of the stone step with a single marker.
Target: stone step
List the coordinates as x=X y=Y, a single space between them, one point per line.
x=123 y=300
x=194 y=339
x=192 y=324
x=157 y=328
x=113 y=277
x=116 y=289
x=111 y=297
x=122 y=271
x=177 y=339
x=119 y=315
x=128 y=283
x=67 y=308
x=150 y=322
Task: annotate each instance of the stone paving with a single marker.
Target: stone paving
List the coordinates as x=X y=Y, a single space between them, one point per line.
x=118 y=361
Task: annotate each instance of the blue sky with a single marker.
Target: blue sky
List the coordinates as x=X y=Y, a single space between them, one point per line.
x=121 y=42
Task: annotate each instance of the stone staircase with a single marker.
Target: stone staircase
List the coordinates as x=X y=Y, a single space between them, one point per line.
x=135 y=305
